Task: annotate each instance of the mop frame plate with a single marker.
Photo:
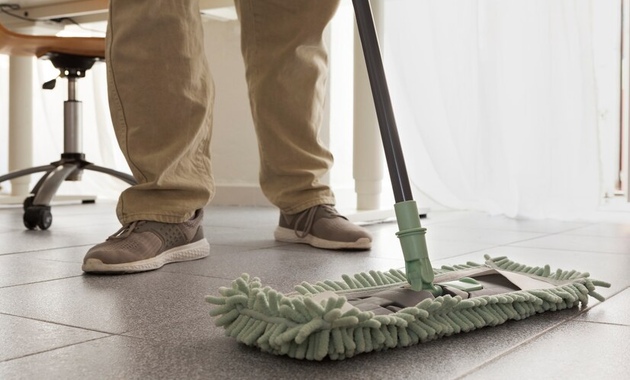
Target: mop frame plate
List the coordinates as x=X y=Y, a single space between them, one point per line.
x=318 y=322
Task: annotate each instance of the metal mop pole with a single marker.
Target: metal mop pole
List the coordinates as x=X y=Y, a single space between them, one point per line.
x=411 y=234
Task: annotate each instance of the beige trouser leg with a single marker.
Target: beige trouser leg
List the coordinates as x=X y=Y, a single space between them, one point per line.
x=161 y=95
x=161 y=100
x=287 y=65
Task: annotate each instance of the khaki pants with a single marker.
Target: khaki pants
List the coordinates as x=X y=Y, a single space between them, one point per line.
x=161 y=97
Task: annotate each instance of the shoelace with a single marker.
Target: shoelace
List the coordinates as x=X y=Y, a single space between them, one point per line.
x=125 y=230
x=310 y=219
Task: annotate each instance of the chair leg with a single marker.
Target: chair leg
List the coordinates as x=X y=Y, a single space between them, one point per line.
x=120 y=175
x=45 y=191
x=37 y=208
x=25 y=172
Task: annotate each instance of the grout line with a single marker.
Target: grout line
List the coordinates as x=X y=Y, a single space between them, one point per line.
x=564 y=249
x=57 y=323
x=603 y=323
x=47 y=249
x=531 y=339
x=55 y=349
x=516 y=347
x=39 y=282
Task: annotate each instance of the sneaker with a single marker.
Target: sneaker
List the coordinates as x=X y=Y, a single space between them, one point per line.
x=144 y=245
x=322 y=227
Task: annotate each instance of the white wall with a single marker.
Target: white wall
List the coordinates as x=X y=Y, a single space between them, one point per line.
x=234 y=146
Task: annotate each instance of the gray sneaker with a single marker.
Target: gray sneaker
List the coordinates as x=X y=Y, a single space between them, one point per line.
x=322 y=227
x=143 y=245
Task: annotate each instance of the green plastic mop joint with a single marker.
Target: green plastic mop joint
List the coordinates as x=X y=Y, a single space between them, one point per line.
x=466 y=284
x=414 y=246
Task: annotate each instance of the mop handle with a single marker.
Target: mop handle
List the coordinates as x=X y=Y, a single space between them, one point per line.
x=411 y=235
x=382 y=101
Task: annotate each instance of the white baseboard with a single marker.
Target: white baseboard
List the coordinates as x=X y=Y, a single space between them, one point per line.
x=6 y=199
x=252 y=195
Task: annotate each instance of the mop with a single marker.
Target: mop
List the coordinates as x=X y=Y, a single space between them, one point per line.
x=381 y=310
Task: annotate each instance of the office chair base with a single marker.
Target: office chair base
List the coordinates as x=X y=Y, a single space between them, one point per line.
x=37 y=211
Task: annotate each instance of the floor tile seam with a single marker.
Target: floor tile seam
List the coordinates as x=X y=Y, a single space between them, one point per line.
x=50 y=260
x=227 y=279
x=173 y=271
x=245 y=248
x=542 y=235
x=515 y=245
x=78 y=263
x=56 y=348
x=517 y=346
x=562 y=231
x=603 y=323
x=48 y=249
x=57 y=323
x=566 y=233
x=545 y=235
x=614 y=294
x=625 y=237
x=40 y=282
x=466 y=254
x=175 y=321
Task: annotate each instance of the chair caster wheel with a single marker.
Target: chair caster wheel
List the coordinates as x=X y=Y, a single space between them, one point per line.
x=28 y=202
x=37 y=216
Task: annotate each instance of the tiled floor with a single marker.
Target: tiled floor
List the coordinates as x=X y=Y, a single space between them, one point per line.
x=57 y=323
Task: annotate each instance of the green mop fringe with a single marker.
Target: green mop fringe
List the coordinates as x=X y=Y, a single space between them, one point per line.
x=299 y=327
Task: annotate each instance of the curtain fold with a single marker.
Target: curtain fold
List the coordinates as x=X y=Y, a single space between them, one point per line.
x=496 y=102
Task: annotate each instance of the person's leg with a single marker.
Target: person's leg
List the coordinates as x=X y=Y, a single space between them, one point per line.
x=286 y=63
x=286 y=67
x=160 y=94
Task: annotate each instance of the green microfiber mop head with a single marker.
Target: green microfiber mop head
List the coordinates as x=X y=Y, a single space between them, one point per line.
x=372 y=311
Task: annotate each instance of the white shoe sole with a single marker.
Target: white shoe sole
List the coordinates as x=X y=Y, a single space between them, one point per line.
x=192 y=251
x=287 y=235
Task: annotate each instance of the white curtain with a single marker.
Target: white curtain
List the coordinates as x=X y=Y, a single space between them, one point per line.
x=496 y=102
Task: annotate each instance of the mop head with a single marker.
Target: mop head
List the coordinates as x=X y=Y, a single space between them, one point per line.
x=377 y=310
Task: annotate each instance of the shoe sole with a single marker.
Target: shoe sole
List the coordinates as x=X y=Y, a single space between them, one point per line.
x=188 y=252
x=287 y=235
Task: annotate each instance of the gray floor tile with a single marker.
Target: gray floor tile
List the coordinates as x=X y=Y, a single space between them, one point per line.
x=111 y=304
x=616 y=230
x=473 y=234
x=59 y=322
x=17 y=269
x=65 y=254
x=611 y=268
x=248 y=237
x=285 y=267
x=387 y=245
x=574 y=350
x=30 y=241
x=614 y=310
x=605 y=244
x=463 y=352
x=22 y=336
x=476 y=220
